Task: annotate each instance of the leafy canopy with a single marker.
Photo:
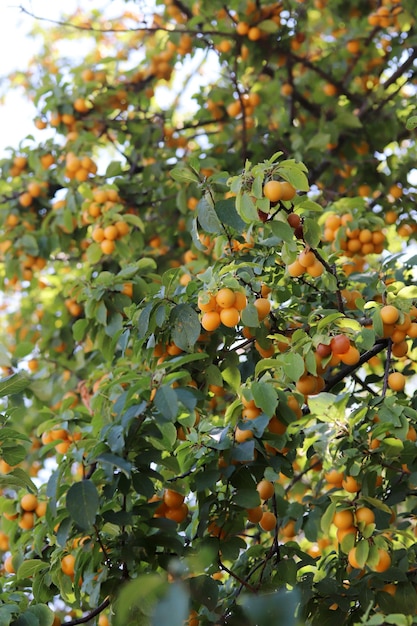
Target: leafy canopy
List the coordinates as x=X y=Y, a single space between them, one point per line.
x=209 y=320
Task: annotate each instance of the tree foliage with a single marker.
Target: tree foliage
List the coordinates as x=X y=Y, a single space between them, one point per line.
x=209 y=318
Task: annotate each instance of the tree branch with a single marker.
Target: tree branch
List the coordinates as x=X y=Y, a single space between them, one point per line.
x=380 y=345
x=86 y=618
x=144 y=28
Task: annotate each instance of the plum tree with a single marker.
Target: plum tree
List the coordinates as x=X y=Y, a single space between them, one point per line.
x=209 y=318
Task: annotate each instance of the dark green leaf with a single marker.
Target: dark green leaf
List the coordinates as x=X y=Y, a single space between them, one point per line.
x=274 y=608
x=166 y=402
x=13 y=454
x=82 y=503
x=204 y=590
x=173 y=608
x=246 y=498
x=227 y=214
x=117 y=461
x=136 y=600
x=185 y=326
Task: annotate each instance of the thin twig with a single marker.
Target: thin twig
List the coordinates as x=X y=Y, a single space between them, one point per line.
x=144 y=28
x=387 y=367
x=236 y=577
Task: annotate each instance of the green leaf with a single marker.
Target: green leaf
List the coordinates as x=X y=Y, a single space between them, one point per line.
x=265 y=397
x=43 y=613
x=392 y=447
x=312 y=231
x=6 y=613
x=23 y=348
x=166 y=402
x=409 y=292
x=375 y=620
x=377 y=322
x=232 y=376
x=246 y=208
x=207 y=217
x=30 y=245
x=185 y=325
x=173 y=608
x=399 y=619
x=15 y=383
x=362 y=552
x=114 y=168
x=10 y=433
x=204 y=590
x=195 y=164
x=319 y=141
x=293 y=364
x=183 y=174
x=195 y=237
x=246 y=498
x=365 y=339
x=136 y=221
x=275 y=608
x=282 y=230
x=268 y=26
x=101 y=313
x=13 y=454
x=412 y=122
x=177 y=362
x=266 y=364
x=18 y=478
x=5 y=360
x=249 y=316
x=116 y=461
x=31 y=567
x=327 y=407
x=26 y=619
x=227 y=214
x=294 y=173
x=136 y=599
x=93 y=253
x=144 y=317
x=82 y=503
x=114 y=324
x=310 y=205
x=347 y=119
x=326 y=321
x=79 y=329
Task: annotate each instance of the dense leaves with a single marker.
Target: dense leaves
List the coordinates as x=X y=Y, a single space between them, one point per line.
x=209 y=318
